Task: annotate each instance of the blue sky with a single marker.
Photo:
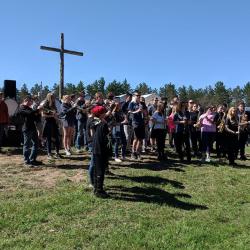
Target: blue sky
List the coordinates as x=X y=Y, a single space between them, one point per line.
x=190 y=42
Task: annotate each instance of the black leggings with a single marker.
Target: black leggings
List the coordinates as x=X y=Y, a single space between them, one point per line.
x=180 y=140
x=160 y=135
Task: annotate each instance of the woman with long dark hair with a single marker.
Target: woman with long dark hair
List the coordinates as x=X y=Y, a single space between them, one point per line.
x=159 y=130
x=208 y=132
x=181 y=120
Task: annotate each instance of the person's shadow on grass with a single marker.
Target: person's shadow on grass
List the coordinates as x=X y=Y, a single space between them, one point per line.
x=152 y=195
x=149 y=179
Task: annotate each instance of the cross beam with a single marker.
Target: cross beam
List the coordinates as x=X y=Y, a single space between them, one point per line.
x=62 y=51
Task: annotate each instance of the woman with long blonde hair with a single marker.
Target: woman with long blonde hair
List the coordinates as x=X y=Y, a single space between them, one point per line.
x=68 y=116
x=51 y=130
x=232 y=129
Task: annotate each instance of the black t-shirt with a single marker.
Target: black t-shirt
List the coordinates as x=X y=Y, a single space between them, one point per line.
x=125 y=107
x=193 y=119
x=30 y=117
x=81 y=115
x=100 y=139
x=180 y=116
x=232 y=124
x=89 y=125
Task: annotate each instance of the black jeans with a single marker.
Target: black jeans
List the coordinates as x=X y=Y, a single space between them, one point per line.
x=2 y=126
x=221 y=144
x=160 y=135
x=233 y=145
x=195 y=137
x=242 y=142
x=180 y=140
x=52 y=131
x=100 y=165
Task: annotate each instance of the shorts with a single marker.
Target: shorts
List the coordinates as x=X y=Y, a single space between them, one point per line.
x=139 y=132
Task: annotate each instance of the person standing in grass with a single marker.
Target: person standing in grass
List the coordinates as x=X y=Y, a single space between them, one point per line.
x=232 y=129
x=30 y=136
x=51 y=130
x=100 y=149
x=68 y=113
x=136 y=110
x=118 y=132
x=181 y=137
x=4 y=117
x=208 y=131
x=159 y=130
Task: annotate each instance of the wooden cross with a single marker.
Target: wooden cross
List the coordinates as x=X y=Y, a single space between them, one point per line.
x=62 y=51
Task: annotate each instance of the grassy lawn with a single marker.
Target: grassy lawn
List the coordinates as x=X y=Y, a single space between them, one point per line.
x=152 y=206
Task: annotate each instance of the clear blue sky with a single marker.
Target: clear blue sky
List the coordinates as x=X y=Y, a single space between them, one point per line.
x=157 y=41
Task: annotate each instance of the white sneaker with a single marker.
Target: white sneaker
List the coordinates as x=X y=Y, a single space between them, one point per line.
x=118 y=160
x=208 y=159
x=67 y=152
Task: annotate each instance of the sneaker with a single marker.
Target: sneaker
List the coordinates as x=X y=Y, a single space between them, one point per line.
x=67 y=152
x=27 y=164
x=50 y=157
x=58 y=156
x=36 y=163
x=118 y=160
x=78 y=151
x=101 y=194
x=124 y=158
x=139 y=157
x=207 y=159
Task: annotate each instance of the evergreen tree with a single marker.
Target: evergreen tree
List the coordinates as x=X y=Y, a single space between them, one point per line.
x=182 y=92
x=125 y=88
x=143 y=88
x=246 y=92
x=221 y=94
x=55 y=89
x=70 y=89
x=237 y=95
x=80 y=87
x=114 y=87
x=24 y=91
x=96 y=86
x=36 y=89
x=168 y=91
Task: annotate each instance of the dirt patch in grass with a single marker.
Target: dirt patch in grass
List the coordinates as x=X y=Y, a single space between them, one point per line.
x=14 y=174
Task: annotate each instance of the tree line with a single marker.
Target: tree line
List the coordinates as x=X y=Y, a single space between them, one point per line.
x=217 y=94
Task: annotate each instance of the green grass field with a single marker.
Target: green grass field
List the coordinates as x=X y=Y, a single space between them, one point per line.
x=152 y=206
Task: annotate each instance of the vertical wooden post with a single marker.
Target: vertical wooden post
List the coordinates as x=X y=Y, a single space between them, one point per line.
x=62 y=51
x=61 y=86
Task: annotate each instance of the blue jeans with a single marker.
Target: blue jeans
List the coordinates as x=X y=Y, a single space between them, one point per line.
x=91 y=166
x=30 y=138
x=120 y=141
x=81 y=134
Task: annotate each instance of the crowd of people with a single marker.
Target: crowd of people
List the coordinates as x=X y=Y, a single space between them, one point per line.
x=107 y=127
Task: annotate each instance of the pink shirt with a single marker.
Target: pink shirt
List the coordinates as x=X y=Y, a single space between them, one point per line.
x=171 y=125
x=206 y=124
